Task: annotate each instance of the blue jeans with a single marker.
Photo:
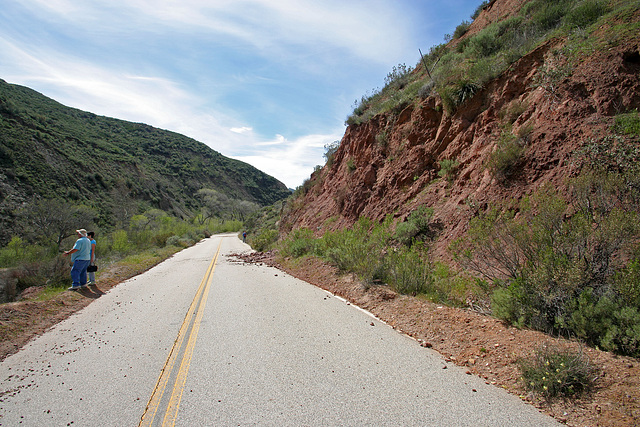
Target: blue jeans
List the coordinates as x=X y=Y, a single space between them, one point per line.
x=79 y=272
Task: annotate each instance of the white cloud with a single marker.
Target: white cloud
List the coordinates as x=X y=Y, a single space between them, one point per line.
x=241 y=130
x=290 y=161
x=366 y=29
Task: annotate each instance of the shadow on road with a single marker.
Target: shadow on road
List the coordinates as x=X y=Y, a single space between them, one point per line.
x=90 y=291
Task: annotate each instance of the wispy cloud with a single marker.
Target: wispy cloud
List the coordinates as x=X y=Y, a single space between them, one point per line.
x=282 y=28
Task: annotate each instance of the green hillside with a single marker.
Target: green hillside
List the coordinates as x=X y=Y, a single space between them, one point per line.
x=49 y=150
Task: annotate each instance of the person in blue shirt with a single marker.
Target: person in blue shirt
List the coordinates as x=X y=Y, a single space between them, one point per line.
x=80 y=257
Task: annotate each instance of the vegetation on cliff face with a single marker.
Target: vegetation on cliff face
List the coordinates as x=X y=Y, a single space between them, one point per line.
x=473 y=56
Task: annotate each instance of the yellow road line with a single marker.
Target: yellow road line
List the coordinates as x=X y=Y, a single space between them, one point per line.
x=155 y=401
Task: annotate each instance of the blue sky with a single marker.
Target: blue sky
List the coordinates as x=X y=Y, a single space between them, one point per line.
x=268 y=82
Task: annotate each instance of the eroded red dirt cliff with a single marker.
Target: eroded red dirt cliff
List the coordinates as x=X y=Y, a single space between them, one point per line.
x=556 y=112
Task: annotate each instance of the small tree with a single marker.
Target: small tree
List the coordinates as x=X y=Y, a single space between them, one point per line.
x=53 y=220
x=330 y=151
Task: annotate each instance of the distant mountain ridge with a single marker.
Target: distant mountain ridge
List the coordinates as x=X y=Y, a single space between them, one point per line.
x=48 y=150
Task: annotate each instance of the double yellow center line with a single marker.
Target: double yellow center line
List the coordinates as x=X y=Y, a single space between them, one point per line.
x=181 y=352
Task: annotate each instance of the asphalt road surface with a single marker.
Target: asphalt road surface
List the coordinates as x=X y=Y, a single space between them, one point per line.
x=204 y=340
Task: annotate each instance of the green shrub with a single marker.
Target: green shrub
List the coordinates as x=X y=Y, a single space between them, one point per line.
x=479 y=9
x=563 y=274
x=461 y=29
x=362 y=109
x=557 y=373
x=586 y=13
x=406 y=232
x=504 y=162
x=484 y=70
x=173 y=241
x=299 y=243
x=458 y=289
x=607 y=322
x=415 y=228
x=514 y=110
x=161 y=239
x=504 y=305
x=627 y=124
x=524 y=133
x=448 y=169
x=264 y=240
x=179 y=241
x=360 y=249
x=48 y=271
x=550 y=78
x=350 y=255
x=330 y=151
x=426 y=89
x=185 y=242
x=540 y=297
x=465 y=90
x=628 y=283
x=485 y=43
x=367 y=250
x=18 y=252
x=228 y=226
x=624 y=335
x=382 y=139
x=120 y=242
x=409 y=272
x=549 y=14
x=398 y=77
x=453 y=96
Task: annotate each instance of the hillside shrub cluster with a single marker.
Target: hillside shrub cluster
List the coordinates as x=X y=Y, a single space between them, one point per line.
x=379 y=254
x=566 y=265
x=568 y=269
x=49 y=228
x=448 y=169
x=503 y=163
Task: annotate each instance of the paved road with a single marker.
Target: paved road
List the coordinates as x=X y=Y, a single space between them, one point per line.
x=203 y=340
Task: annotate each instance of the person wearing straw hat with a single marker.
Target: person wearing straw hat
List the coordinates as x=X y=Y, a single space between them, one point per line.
x=80 y=257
